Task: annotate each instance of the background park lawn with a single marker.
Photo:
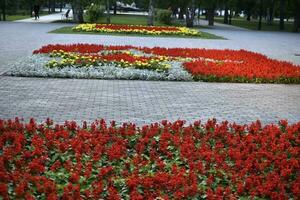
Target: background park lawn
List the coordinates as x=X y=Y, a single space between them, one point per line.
x=253 y=24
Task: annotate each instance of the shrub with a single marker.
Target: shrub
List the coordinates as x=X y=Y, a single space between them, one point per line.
x=94 y=12
x=163 y=15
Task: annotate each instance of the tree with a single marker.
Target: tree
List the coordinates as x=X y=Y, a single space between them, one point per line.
x=260 y=14
x=232 y=5
x=248 y=6
x=190 y=14
x=296 y=15
x=115 y=7
x=225 y=12
x=271 y=11
x=61 y=6
x=107 y=12
x=211 y=6
x=3 y=9
x=150 y=21
x=77 y=6
x=53 y=5
x=282 y=8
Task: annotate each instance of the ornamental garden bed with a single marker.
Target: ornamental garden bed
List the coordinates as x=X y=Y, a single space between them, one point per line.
x=136 y=30
x=159 y=161
x=176 y=64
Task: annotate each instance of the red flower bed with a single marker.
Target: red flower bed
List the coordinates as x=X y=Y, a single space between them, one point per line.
x=209 y=64
x=168 y=160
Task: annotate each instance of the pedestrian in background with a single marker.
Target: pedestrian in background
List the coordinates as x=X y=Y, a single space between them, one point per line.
x=36 y=10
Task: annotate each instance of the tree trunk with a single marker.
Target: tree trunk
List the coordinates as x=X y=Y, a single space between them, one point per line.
x=297 y=16
x=107 y=12
x=211 y=16
x=181 y=13
x=226 y=14
x=248 y=12
x=53 y=6
x=150 y=21
x=260 y=14
x=115 y=7
x=49 y=7
x=198 y=14
x=30 y=9
x=77 y=11
x=230 y=17
x=3 y=10
x=61 y=6
x=17 y=6
x=271 y=13
x=0 y=11
x=190 y=14
x=193 y=12
x=282 y=8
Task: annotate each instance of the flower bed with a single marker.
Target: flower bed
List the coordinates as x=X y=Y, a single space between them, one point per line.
x=167 y=160
x=136 y=29
x=130 y=62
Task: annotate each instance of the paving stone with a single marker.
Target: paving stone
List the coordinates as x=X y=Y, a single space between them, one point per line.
x=145 y=101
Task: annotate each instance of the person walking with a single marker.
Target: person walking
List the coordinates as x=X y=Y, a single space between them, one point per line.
x=36 y=10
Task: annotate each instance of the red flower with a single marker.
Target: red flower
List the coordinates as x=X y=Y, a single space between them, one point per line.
x=3 y=189
x=105 y=171
x=21 y=189
x=74 y=178
x=36 y=166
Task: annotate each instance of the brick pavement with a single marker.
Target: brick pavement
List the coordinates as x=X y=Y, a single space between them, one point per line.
x=146 y=101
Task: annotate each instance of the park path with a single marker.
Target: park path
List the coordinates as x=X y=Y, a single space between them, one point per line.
x=44 y=19
x=48 y=18
x=144 y=101
x=218 y=26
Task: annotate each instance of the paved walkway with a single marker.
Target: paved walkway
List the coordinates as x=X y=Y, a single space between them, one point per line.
x=46 y=18
x=144 y=101
x=218 y=26
x=58 y=16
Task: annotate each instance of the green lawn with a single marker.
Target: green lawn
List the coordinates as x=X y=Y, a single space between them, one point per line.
x=16 y=17
x=253 y=24
x=68 y=30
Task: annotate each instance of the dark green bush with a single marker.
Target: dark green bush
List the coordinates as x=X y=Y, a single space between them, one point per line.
x=94 y=12
x=163 y=16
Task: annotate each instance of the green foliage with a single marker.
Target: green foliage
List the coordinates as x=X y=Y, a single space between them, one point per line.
x=163 y=16
x=94 y=12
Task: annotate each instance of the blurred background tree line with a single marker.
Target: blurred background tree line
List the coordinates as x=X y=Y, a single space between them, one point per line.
x=237 y=12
